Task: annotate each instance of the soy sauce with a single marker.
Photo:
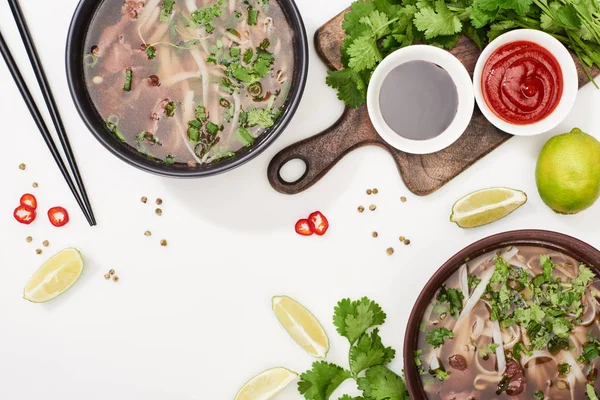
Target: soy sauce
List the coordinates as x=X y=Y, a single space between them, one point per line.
x=418 y=100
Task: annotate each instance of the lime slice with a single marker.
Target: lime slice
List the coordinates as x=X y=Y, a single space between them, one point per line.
x=485 y=206
x=266 y=385
x=302 y=326
x=54 y=277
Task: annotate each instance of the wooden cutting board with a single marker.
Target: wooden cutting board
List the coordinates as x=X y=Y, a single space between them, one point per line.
x=422 y=174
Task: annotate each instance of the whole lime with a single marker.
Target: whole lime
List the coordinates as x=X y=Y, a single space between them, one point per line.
x=568 y=172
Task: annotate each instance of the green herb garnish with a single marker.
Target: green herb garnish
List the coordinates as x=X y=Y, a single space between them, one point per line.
x=252 y=16
x=368 y=358
x=591 y=392
x=169 y=160
x=206 y=15
x=151 y=52
x=437 y=336
x=454 y=297
x=128 y=79
x=112 y=123
x=166 y=11
x=170 y=109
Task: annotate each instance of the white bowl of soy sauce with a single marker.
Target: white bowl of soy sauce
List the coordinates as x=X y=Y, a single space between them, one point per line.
x=420 y=99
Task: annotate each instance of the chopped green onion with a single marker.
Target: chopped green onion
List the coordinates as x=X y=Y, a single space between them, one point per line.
x=112 y=123
x=252 y=16
x=128 y=78
x=90 y=60
x=166 y=11
x=245 y=136
x=255 y=89
x=248 y=54
x=170 y=160
x=201 y=113
x=212 y=128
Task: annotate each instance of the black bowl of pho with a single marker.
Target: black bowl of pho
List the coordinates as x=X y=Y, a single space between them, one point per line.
x=187 y=88
x=513 y=316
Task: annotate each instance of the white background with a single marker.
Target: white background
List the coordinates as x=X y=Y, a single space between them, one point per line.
x=193 y=320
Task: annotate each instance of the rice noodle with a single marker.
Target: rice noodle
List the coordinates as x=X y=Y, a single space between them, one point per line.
x=486 y=276
x=567 y=356
x=477 y=328
x=514 y=338
x=589 y=311
x=464 y=281
x=482 y=381
x=148 y=10
x=497 y=336
x=231 y=6
x=182 y=76
x=191 y=5
x=203 y=71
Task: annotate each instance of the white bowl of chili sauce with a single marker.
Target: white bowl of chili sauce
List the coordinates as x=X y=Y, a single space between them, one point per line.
x=525 y=82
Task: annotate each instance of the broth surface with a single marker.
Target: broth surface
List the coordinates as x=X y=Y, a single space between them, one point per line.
x=190 y=84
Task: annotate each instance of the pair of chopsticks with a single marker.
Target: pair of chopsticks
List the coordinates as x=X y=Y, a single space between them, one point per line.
x=77 y=187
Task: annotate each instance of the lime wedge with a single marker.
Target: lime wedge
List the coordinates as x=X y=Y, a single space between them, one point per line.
x=302 y=326
x=54 y=277
x=266 y=385
x=485 y=206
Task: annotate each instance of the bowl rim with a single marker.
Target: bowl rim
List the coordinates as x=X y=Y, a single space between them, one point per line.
x=74 y=70
x=569 y=245
x=464 y=89
x=569 y=75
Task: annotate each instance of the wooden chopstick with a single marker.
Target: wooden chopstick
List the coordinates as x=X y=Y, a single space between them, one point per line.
x=39 y=121
x=40 y=74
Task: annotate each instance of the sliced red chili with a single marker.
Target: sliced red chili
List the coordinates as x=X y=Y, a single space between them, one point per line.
x=58 y=216
x=304 y=227
x=29 y=200
x=319 y=222
x=24 y=214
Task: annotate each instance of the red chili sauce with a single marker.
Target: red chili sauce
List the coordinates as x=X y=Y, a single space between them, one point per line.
x=522 y=82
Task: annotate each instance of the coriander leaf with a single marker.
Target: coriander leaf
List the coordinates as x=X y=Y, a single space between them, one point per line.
x=499 y=28
x=521 y=7
x=240 y=72
x=539 y=395
x=481 y=17
x=585 y=276
x=352 y=90
x=378 y=23
x=353 y=318
x=206 y=15
x=363 y=53
x=436 y=337
x=169 y=160
x=437 y=23
x=369 y=351
x=151 y=52
x=319 y=382
x=379 y=383
x=346 y=397
x=454 y=297
x=388 y=7
x=358 y=10
x=591 y=392
x=166 y=11
x=262 y=67
x=566 y=15
x=259 y=116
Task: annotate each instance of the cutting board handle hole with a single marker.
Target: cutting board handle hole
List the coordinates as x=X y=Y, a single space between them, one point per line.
x=293 y=170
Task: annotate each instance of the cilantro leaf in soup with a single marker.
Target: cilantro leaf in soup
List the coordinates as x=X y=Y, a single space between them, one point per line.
x=205 y=16
x=166 y=11
x=437 y=336
x=454 y=297
x=259 y=117
x=151 y=52
x=245 y=136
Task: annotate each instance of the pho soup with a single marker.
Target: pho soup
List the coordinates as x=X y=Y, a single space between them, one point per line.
x=520 y=323
x=189 y=81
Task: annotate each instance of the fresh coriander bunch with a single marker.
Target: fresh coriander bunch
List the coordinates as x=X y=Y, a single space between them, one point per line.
x=368 y=357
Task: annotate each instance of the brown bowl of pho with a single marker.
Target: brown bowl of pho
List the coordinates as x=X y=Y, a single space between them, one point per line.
x=514 y=315
x=187 y=88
